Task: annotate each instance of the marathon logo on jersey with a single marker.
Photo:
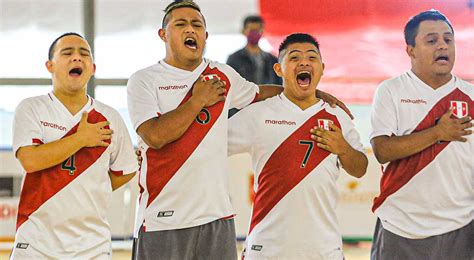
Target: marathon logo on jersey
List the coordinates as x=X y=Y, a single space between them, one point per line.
x=52 y=125
x=413 y=101
x=256 y=247
x=174 y=87
x=210 y=76
x=22 y=245
x=459 y=108
x=324 y=123
x=279 y=122
x=164 y=214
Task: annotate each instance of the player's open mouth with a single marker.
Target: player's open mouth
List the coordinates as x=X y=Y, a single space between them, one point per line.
x=442 y=59
x=303 y=78
x=190 y=43
x=75 y=72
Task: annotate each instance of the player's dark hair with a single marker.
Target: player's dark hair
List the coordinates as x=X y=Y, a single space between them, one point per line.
x=179 y=4
x=411 y=28
x=296 y=38
x=53 y=45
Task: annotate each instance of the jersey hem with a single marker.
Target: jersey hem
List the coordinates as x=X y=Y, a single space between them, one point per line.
x=190 y=225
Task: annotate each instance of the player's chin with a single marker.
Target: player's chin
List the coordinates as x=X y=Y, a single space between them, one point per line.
x=443 y=71
x=306 y=90
x=191 y=54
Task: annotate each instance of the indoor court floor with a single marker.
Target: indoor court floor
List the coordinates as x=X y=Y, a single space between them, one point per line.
x=357 y=251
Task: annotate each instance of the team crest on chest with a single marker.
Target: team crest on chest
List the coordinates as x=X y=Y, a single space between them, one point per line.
x=324 y=123
x=211 y=76
x=459 y=108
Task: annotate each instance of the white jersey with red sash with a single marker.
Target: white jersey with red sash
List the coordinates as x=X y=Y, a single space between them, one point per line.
x=62 y=209
x=293 y=215
x=431 y=192
x=185 y=183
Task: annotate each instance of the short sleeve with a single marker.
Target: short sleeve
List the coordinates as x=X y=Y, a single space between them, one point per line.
x=27 y=128
x=123 y=159
x=383 y=114
x=351 y=135
x=241 y=132
x=142 y=101
x=244 y=92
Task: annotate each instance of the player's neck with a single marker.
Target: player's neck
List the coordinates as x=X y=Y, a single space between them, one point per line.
x=253 y=49
x=433 y=80
x=189 y=65
x=73 y=101
x=302 y=102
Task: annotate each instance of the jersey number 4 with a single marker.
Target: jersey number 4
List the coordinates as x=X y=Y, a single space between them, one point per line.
x=69 y=165
x=310 y=145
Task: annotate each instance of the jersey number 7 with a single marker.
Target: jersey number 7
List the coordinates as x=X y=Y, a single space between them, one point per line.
x=310 y=145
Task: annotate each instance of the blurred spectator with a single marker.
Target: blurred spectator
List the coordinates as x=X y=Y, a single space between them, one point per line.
x=251 y=62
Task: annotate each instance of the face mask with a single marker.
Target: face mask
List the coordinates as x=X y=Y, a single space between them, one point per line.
x=253 y=37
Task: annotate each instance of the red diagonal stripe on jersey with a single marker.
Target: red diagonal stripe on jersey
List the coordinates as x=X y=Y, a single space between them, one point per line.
x=400 y=172
x=283 y=169
x=162 y=164
x=42 y=185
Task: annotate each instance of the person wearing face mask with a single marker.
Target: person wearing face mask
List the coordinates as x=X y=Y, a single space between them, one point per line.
x=178 y=108
x=251 y=62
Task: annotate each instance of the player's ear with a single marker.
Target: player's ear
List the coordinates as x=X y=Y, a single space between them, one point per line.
x=49 y=66
x=93 y=69
x=162 y=34
x=277 y=69
x=207 y=34
x=324 y=66
x=410 y=51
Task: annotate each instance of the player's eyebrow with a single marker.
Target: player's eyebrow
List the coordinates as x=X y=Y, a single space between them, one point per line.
x=292 y=51
x=71 y=48
x=66 y=49
x=433 y=33
x=313 y=51
x=85 y=49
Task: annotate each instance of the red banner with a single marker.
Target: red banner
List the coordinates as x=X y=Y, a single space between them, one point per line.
x=362 y=40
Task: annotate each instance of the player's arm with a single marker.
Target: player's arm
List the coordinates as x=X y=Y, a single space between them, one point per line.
x=390 y=148
x=34 y=158
x=159 y=131
x=353 y=161
x=269 y=90
x=119 y=180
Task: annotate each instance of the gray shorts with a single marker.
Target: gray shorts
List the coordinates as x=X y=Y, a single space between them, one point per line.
x=212 y=241
x=457 y=244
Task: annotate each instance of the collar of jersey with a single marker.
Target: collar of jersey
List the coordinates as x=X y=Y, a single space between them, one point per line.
x=312 y=109
x=449 y=86
x=179 y=74
x=86 y=107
